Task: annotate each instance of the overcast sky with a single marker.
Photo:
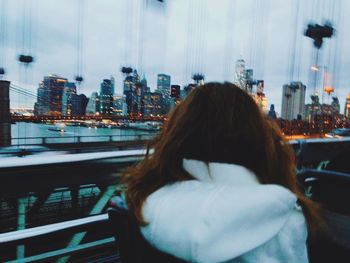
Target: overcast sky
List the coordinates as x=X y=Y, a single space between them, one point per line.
x=179 y=38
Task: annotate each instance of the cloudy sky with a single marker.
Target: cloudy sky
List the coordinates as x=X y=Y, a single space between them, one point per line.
x=179 y=37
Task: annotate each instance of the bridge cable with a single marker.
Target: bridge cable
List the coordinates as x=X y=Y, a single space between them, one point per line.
x=26 y=92
x=3 y=37
x=262 y=21
x=293 y=42
x=79 y=42
x=189 y=40
x=25 y=57
x=337 y=58
x=141 y=29
x=229 y=43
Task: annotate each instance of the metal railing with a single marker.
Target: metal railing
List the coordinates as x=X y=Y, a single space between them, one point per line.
x=308 y=151
x=21 y=237
x=311 y=152
x=81 y=139
x=120 y=157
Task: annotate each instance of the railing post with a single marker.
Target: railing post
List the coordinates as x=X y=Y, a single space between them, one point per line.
x=139 y=137
x=43 y=140
x=21 y=224
x=111 y=138
x=5 y=116
x=78 y=139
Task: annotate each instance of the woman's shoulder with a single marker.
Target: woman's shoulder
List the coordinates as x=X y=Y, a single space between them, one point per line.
x=186 y=217
x=217 y=195
x=220 y=198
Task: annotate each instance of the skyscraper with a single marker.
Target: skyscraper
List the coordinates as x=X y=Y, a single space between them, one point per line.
x=93 y=106
x=120 y=106
x=163 y=87
x=240 y=74
x=68 y=90
x=249 y=80
x=175 y=92
x=314 y=108
x=144 y=85
x=293 y=100
x=106 y=96
x=163 y=83
x=153 y=104
x=79 y=103
x=272 y=113
x=259 y=96
x=335 y=106
x=50 y=94
x=133 y=89
x=347 y=107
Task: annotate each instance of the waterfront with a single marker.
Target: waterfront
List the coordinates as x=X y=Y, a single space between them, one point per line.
x=25 y=131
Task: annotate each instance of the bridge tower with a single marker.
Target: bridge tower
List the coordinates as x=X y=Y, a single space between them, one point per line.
x=5 y=117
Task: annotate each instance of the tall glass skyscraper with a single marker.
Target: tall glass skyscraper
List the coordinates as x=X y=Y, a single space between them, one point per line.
x=50 y=94
x=106 y=96
x=69 y=90
x=93 y=106
x=240 y=74
x=293 y=101
x=347 y=106
x=163 y=84
x=163 y=87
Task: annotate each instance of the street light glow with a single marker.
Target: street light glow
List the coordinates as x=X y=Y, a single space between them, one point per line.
x=314 y=68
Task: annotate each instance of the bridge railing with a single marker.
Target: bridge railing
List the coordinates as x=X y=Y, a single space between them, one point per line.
x=86 y=238
x=17 y=240
x=81 y=139
x=309 y=152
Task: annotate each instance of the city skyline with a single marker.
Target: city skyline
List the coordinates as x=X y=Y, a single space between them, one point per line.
x=54 y=48
x=294 y=105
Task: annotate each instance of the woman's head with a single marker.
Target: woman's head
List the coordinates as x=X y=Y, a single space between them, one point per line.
x=221 y=123
x=215 y=123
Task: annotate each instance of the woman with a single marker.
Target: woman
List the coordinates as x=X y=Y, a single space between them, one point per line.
x=220 y=184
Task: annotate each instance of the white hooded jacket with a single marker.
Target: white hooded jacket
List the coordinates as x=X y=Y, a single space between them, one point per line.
x=225 y=215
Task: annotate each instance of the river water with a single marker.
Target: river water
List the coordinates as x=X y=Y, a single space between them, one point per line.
x=26 y=131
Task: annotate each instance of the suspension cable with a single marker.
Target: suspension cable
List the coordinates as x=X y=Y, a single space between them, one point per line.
x=293 y=41
x=79 y=42
x=230 y=29
x=336 y=67
x=3 y=35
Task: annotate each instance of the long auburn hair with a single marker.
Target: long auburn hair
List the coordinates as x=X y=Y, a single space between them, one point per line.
x=217 y=122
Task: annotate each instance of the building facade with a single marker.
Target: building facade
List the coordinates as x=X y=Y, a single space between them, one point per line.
x=240 y=74
x=133 y=89
x=49 y=95
x=120 y=106
x=347 y=107
x=153 y=102
x=79 y=103
x=106 y=96
x=164 y=87
x=69 y=90
x=93 y=106
x=314 y=108
x=293 y=101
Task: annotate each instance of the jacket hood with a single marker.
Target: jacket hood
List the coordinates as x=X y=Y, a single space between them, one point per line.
x=221 y=215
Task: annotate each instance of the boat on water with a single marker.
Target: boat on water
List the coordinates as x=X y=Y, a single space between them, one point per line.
x=58 y=127
x=146 y=126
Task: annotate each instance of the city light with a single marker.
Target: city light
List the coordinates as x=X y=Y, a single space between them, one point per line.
x=314 y=68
